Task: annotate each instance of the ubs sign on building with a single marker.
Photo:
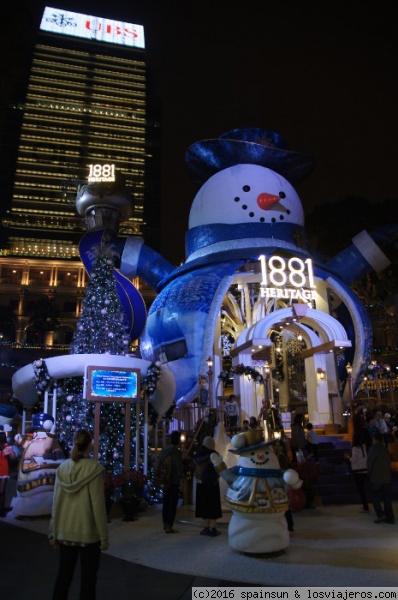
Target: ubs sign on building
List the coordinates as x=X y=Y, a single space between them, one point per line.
x=92 y=28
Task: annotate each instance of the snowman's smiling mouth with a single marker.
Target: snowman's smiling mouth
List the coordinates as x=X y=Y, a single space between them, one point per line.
x=266 y=202
x=263 y=461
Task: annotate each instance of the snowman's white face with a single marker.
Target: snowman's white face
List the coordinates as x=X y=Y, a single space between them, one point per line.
x=259 y=458
x=246 y=194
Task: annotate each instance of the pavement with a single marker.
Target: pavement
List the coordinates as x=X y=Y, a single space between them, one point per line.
x=331 y=546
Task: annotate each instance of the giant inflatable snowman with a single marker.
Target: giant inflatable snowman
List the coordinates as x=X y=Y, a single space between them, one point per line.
x=246 y=206
x=257 y=495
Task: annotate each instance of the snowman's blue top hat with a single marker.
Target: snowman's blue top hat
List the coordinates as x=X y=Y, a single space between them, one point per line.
x=39 y=418
x=250 y=440
x=246 y=146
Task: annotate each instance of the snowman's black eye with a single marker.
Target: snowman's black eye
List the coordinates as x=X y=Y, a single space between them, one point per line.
x=282 y=195
x=246 y=188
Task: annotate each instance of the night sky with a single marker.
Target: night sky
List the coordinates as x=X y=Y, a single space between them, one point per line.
x=322 y=74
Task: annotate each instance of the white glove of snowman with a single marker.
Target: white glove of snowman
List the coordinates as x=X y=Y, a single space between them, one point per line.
x=218 y=462
x=292 y=479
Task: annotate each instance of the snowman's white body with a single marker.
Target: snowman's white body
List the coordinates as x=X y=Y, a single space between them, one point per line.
x=258 y=533
x=258 y=499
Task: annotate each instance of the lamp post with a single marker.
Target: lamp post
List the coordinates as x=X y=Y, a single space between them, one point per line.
x=390 y=386
x=375 y=368
x=267 y=374
x=350 y=391
x=210 y=378
x=366 y=386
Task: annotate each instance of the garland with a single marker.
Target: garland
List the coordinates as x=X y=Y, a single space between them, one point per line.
x=150 y=380
x=241 y=370
x=43 y=379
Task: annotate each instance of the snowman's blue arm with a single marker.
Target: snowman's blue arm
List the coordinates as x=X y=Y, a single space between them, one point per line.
x=229 y=475
x=366 y=254
x=138 y=260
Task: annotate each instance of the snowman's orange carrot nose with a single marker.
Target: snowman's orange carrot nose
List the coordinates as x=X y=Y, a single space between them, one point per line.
x=260 y=455
x=266 y=201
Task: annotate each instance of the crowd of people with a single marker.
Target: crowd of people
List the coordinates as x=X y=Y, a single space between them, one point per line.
x=80 y=482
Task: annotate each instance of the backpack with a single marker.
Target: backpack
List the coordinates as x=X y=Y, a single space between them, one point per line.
x=163 y=472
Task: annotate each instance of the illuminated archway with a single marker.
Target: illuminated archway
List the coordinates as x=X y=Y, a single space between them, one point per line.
x=323 y=336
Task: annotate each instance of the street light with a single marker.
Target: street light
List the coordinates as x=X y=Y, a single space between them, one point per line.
x=390 y=386
x=350 y=391
x=366 y=386
x=267 y=373
x=374 y=367
x=210 y=363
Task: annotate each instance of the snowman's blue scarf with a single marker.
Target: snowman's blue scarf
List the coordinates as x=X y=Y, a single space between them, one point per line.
x=206 y=235
x=253 y=472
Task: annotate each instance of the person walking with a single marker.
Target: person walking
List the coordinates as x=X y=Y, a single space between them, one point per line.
x=379 y=468
x=172 y=491
x=359 y=468
x=231 y=409
x=78 y=525
x=208 y=502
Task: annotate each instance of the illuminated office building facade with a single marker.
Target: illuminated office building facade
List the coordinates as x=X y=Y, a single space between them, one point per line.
x=86 y=103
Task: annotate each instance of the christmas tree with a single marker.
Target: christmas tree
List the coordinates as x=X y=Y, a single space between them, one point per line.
x=101 y=329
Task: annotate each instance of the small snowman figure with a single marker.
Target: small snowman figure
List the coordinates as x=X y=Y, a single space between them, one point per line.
x=39 y=461
x=257 y=495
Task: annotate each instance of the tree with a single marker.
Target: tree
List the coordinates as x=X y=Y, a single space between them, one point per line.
x=101 y=328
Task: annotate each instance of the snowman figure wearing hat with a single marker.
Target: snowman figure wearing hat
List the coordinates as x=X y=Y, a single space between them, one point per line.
x=257 y=495
x=36 y=471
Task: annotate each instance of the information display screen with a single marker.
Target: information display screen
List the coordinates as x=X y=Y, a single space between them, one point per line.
x=112 y=383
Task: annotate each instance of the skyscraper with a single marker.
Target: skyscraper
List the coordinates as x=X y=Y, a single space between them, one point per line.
x=86 y=105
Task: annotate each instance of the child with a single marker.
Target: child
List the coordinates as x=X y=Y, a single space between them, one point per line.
x=245 y=425
x=312 y=443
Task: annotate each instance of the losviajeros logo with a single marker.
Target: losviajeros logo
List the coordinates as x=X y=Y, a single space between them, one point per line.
x=65 y=22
